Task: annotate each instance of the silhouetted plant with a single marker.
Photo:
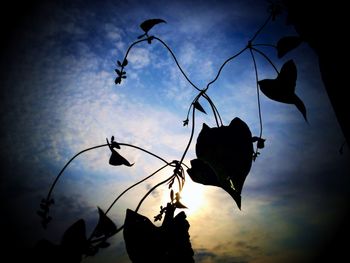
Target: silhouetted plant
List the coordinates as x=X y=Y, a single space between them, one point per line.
x=224 y=158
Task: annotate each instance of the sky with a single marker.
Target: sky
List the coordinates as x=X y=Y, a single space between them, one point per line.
x=58 y=97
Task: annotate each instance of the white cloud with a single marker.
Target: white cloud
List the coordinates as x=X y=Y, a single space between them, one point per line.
x=139 y=57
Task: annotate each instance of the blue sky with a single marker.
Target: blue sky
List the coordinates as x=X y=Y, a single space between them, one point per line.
x=59 y=97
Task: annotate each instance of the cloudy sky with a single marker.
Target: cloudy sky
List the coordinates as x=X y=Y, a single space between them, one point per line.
x=58 y=97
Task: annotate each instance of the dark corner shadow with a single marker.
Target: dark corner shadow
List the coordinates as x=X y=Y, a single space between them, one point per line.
x=322 y=25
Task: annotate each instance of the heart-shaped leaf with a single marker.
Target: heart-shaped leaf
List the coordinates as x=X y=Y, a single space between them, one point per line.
x=286 y=44
x=105 y=226
x=282 y=88
x=201 y=172
x=224 y=157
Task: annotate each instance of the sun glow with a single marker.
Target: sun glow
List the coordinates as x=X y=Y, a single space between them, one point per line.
x=192 y=196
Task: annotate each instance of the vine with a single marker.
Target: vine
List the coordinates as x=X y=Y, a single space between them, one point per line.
x=224 y=153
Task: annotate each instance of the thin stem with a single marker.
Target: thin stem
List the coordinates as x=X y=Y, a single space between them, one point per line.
x=267 y=58
x=191 y=136
x=261 y=28
x=139 y=182
x=141 y=149
x=66 y=165
x=92 y=148
x=177 y=63
x=133 y=44
x=215 y=110
x=119 y=196
x=222 y=66
x=151 y=190
x=257 y=92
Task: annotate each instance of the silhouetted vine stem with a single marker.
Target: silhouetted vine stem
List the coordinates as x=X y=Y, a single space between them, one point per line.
x=266 y=57
x=151 y=190
x=132 y=186
x=93 y=148
x=223 y=65
x=257 y=95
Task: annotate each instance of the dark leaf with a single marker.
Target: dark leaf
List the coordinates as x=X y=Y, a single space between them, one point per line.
x=286 y=44
x=225 y=155
x=119 y=63
x=118 y=72
x=201 y=172
x=105 y=226
x=141 y=238
x=123 y=77
x=145 y=242
x=125 y=62
x=282 y=89
x=116 y=159
x=148 y=24
x=261 y=143
x=199 y=107
x=118 y=80
x=74 y=239
x=185 y=122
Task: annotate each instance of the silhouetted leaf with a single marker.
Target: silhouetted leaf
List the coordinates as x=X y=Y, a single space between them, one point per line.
x=224 y=157
x=118 y=80
x=261 y=142
x=74 y=243
x=199 y=107
x=282 y=89
x=201 y=172
x=105 y=226
x=145 y=242
x=116 y=159
x=185 y=122
x=148 y=24
x=125 y=62
x=286 y=44
x=118 y=72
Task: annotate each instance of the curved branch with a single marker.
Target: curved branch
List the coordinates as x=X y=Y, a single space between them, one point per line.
x=267 y=58
x=66 y=165
x=151 y=190
x=223 y=65
x=177 y=63
x=130 y=187
x=257 y=92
